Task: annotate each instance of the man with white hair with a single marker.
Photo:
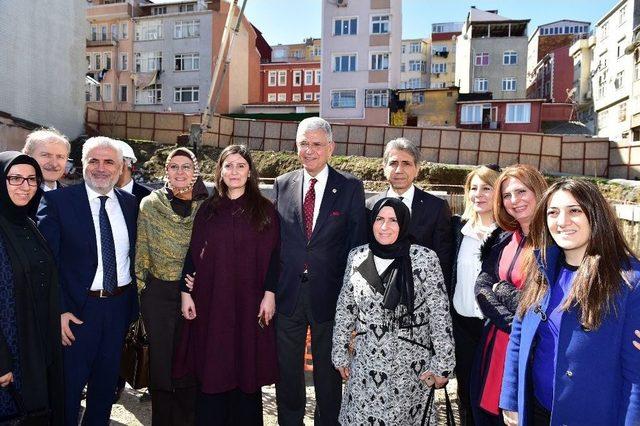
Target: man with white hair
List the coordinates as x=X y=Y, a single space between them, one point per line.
x=126 y=182
x=91 y=229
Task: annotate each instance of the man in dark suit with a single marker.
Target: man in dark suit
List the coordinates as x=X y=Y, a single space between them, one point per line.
x=430 y=216
x=91 y=230
x=126 y=182
x=322 y=217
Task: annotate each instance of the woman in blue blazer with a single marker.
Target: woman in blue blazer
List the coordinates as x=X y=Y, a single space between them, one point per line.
x=570 y=359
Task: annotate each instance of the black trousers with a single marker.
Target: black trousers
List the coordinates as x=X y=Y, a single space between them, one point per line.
x=291 y=335
x=173 y=408
x=467 y=333
x=232 y=408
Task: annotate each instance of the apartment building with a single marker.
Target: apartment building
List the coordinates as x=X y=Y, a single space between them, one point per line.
x=634 y=50
x=414 y=68
x=308 y=51
x=613 y=70
x=42 y=66
x=443 y=54
x=361 y=42
x=109 y=54
x=581 y=53
x=491 y=55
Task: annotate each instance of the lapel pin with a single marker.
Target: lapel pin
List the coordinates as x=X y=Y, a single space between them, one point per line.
x=334 y=190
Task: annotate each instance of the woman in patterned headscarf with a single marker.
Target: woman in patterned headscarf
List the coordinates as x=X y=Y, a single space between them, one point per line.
x=164 y=231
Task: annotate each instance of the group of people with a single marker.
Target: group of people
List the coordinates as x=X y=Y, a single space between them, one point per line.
x=529 y=298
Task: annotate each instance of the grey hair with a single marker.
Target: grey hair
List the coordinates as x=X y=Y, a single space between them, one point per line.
x=312 y=124
x=100 y=142
x=44 y=134
x=402 y=144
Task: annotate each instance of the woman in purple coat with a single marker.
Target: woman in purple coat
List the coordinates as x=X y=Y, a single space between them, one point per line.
x=229 y=341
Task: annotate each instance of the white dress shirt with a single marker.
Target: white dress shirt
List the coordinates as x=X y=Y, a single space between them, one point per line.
x=407 y=197
x=467 y=271
x=319 y=187
x=120 y=237
x=46 y=188
x=128 y=187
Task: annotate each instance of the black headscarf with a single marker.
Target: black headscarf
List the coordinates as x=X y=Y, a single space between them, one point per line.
x=8 y=209
x=397 y=279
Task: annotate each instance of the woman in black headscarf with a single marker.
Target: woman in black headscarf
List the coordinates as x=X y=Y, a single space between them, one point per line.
x=30 y=348
x=393 y=297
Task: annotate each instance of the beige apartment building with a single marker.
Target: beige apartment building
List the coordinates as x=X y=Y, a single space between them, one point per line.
x=582 y=54
x=491 y=55
x=308 y=51
x=414 y=68
x=361 y=42
x=443 y=54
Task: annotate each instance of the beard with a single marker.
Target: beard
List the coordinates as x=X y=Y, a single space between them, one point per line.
x=101 y=184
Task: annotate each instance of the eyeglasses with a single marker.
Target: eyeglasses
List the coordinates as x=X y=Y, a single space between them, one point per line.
x=176 y=167
x=17 y=180
x=315 y=146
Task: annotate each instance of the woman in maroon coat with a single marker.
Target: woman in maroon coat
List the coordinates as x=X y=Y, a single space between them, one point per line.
x=229 y=341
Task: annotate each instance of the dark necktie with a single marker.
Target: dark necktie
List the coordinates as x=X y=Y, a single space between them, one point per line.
x=308 y=206
x=109 y=269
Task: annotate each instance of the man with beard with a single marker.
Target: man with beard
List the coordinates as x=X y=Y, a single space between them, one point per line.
x=91 y=230
x=50 y=149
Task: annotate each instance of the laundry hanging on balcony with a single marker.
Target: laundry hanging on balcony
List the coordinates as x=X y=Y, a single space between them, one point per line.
x=144 y=79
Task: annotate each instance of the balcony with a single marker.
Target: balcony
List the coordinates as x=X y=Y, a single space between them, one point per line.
x=105 y=10
x=109 y=40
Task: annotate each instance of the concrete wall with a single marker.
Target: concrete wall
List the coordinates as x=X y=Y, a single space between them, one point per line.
x=42 y=62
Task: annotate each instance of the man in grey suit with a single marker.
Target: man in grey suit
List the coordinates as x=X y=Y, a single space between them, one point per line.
x=430 y=216
x=322 y=217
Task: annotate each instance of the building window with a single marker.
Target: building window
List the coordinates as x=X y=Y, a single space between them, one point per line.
x=186 y=29
x=438 y=68
x=106 y=92
x=150 y=95
x=297 y=77
x=403 y=67
x=481 y=59
x=96 y=61
x=620 y=48
x=88 y=62
x=186 y=94
x=160 y=10
x=318 y=77
x=380 y=24
x=114 y=31
x=296 y=97
x=417 y=66
x=148 y=61
x=124 y=61
x=123 y=93
x=87 y=94
x=376 y=98
x=636 y=70
x=471 y=114
x=94 y=33
x=481 y=85
x=308 y=77
x=415 y=47
x=316 y=96
x=103 y=33
x=149 y=30
x=187 y=62
x=345 y=26
x=344 y=63
x=436 y=28
x=618 y=83
x=510 y=58
x=282 y=78
x=622 y=112
x=308 y=96
x=604 y=30
x=508 y=84
x=379 y=61
x=124 y=29
x=343 y=99
x=282 y=97
x=417 y=98
x=317 y=51
x=271 y=97
x=518 y=113
x=187 y=7
x=273 y=75
x=107 y=60
x=622 y=15
x=98 y=97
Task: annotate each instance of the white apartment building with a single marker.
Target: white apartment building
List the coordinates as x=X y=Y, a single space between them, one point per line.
x=634 y=50
x=172 y=56
x=614 y=71
x=414 y=68
x=361 y=58
x=491 y=55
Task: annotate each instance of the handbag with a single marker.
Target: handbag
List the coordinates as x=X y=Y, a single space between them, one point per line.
x=426 y=419
x=24 y=418
x=134 y=366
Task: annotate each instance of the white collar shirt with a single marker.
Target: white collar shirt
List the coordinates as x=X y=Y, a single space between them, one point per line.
x=128 y=187
x=120 y=237
x=407 y=197
x=321 y=184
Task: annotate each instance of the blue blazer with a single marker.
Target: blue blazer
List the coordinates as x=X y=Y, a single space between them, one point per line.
x=597 y=377
x=341 y=226
x=66 y=223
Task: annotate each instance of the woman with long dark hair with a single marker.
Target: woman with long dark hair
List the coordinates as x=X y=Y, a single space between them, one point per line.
x=229 y=340
x=569 y=359
x=497 y=288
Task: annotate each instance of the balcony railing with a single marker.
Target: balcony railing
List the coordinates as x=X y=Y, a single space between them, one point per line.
x=99 y=40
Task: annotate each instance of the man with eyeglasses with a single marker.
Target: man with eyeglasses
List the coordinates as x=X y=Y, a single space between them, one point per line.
x=50 y=149
x=91 y=230
x=322 y=217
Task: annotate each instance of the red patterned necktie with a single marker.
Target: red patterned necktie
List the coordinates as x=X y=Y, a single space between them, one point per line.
x=308 y=206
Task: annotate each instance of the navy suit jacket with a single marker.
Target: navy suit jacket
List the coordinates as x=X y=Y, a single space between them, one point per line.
x=430 y=227
x=65 y=222
x=341 y=226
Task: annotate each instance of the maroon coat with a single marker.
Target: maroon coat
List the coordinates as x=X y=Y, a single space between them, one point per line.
x=223 y=346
